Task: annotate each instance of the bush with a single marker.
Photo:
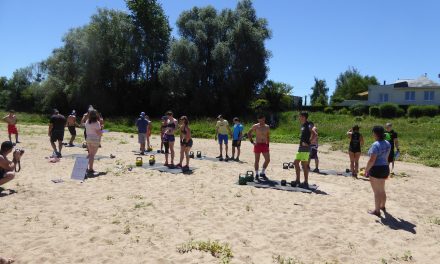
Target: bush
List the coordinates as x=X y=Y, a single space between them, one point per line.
x=400 y=112
x=358 y=109
x=375 y=111
x=388 y=110
x=422 y=110
x=343 y=111
x=328 y=110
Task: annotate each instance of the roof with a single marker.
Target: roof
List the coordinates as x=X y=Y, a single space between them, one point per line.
x=363 y=93
x=422 y=81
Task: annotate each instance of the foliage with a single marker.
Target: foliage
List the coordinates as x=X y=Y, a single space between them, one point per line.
x=374 y=111
x=328 y=110
x=343 y=111
x=215 y=248
x=319 y=93
x=358 y=109
x=422 y=110
x=277 y=95
x=388 y=110
x=350 y=83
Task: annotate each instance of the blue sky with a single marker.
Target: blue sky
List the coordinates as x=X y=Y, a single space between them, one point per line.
x=389 y=39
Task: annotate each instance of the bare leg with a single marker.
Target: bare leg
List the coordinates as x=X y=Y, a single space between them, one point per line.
x=226 y=149
x=297 y=170
x=8 y=177
x=16 y=138
x=317 y=163
x=238 y=152
x=148 y=142
x=92 y=152
x=182 y=153
x=142 y=147
x=187 y=149
x=60 y=145
x=10 y=139
x=356 y=162
x=221 y=149
x=266 y=160
x=72 y=139
x=172 y=152
x=352 y=158
x=376 y=186
x=305 y=165
x=257 y=161
x=233 y=151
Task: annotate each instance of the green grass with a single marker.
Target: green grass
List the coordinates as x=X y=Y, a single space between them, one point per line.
x=215 y=248
x=419 y=137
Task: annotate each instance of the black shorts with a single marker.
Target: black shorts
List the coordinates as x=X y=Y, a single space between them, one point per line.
x=72 y=130
x=354 y=149
x=57 y=135
x=391 y=156
x=380 y=172
x=236 y=143
x=188 y=144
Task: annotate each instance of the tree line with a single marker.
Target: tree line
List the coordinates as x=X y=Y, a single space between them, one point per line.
x=126 y=62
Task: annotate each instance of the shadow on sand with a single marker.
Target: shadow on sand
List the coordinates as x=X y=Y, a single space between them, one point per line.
x=6 y=192
x=397 y=223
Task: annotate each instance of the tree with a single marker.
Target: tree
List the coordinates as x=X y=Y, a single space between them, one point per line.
x=350 y=83
x=319 y=93
x=277 y=95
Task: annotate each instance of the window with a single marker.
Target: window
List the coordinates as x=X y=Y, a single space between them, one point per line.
x=410 y=96
x=383 y=98
x=429 y=95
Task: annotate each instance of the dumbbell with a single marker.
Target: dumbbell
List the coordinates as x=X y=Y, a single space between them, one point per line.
x=191 y=154
x=285 y=166
x=283 y=182
x=199 y=154
x=152 y=160
x=291 y=165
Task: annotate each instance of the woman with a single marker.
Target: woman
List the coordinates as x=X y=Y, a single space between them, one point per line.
x=94 y=133
x=354 y=150
x=378 y=169
x=186 y=142
x=168 y=138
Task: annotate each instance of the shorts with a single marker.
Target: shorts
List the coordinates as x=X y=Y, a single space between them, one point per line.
x=183 y=143
x=12 y=129
x=142 y=137
x=380 y=172
x=72 y=130
x=391 y=156
x=261 y=148
x=313 y=151
x=302 y=156
x=57 y=135
x=236 y=143
x=168 y=138
x=93 y=141
x=354 y=150
x=222 y=139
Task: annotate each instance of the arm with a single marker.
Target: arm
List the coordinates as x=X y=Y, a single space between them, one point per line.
x=250 y=134
x=50 y=129
x=268 y=135
x=370 y=162
x=362 y=140
x=349 y=133
x=229 y=130
x=188 y=134
x=149 y=127
x=313 y=133
x=216 y=132
x=396 y=143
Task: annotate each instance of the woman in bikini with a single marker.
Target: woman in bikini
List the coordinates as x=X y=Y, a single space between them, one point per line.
x=186 y=142
x=354 y=150
x=169 y=139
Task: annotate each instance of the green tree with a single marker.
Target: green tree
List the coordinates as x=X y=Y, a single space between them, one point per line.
x=350 y=83
x=276 y=93
x=319 y=93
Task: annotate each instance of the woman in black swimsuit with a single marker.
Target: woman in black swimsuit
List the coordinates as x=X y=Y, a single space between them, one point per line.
x=168 y=138
x=354 y=150
x=186 y=142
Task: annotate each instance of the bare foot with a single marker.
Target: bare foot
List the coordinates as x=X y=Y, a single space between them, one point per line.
x=6 y=261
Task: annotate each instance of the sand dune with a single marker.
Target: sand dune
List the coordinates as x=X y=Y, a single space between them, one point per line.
x=142 y=216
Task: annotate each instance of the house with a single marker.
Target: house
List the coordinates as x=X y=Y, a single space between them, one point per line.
x=420 y=91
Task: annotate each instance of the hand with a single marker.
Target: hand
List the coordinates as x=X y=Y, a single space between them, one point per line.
x=17 y=155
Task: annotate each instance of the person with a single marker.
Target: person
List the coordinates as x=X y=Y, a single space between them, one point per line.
x=355 y=149
x=236 y=138
x=71 y=125
x=12 y=120
x=84 y=119
x=142 y=125
x=314 y=147
x=7 y=167
x=94 y=133
x=302 y=157
x=222 y=130
x=169 y=139
x=163 y=126
x=186 y=142
x=261 y=146
x=377 y=169
x=56 y=132
x=149 y=128
x=391 y=137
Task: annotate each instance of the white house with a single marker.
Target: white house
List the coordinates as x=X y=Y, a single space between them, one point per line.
x=421 y=91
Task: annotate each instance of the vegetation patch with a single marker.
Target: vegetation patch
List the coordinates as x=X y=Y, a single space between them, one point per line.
x=222 y=251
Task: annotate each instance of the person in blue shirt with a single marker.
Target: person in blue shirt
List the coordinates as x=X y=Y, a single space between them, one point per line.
x=378 y=168
x=142 y=126
x=237 y=135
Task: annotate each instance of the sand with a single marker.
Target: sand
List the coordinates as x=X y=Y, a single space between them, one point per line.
x=142 y=216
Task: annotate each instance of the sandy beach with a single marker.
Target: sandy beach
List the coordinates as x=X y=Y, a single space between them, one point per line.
x=143 y=215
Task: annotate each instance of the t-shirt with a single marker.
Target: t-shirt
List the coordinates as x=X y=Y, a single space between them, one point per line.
x=58 y=122
x=142 y=124
x=91 y=129
x=390 y=136
x=305 y=137
x=222 y=127
x=238 y=128
x=382 y=150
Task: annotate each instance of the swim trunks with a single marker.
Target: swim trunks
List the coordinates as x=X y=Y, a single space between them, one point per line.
x=261 y=148
x=12 y=129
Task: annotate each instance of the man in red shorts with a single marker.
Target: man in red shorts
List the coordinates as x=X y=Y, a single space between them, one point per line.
x=261 y=146
x=11 y=119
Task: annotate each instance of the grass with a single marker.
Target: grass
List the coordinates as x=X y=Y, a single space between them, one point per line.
x=419 y=138
x=285 y=260
x=218 y=250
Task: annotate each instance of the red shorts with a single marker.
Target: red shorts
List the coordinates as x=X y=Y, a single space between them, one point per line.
x=261 y=148
x=12 y=129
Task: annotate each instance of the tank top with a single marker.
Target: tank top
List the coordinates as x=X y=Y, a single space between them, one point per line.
x=355 y=142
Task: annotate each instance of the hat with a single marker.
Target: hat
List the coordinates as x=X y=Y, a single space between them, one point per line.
x=389 y=124
x=219 y=116
x=142 y=114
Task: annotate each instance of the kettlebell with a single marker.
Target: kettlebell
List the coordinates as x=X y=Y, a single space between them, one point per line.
x=285 y=166
x=250 y=176
x=347 y=170
x=291 y=165
x=152 y=160
x=283 y=182
x=199 y=154
x=242 y=179
x=191 y=154
x=139 y=161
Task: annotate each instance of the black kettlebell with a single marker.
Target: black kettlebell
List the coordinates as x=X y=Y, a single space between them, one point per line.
x=291 y=165
x=199 y=154
x=285 y=166
x=191 y=154
x=283 y=182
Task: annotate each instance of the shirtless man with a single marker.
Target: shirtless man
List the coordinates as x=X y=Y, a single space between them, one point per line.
x=11 y=119
x=71 y=125
x=261 y=146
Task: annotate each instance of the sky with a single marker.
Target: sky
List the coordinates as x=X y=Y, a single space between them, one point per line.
x=389 y=39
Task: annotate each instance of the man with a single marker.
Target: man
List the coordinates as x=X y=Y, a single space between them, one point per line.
x=11 y=119
x=303 y=151
x=261 y=146
x=7 y=167
x=71 y=125
x=56 y=132
x=142 y=125
x=236 y=138
x=314 y=147
x=222 y=130
x=391 y=137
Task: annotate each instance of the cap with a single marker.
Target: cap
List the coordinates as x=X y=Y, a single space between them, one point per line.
x=142 y=114
x=389 y=124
